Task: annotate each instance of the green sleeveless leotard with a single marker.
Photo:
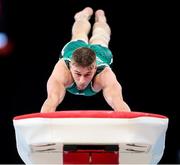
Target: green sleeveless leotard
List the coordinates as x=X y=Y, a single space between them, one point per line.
x=103 y=58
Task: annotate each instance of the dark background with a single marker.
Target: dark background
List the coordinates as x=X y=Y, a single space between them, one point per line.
x=143 y=42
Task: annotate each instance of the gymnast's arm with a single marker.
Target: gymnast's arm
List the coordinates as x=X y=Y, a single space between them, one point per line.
x=112 y=91
x=55 y=88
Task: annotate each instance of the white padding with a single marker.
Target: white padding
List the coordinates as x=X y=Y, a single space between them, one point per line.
x=141 y=139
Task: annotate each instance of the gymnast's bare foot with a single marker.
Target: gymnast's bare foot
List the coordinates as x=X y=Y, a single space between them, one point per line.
x=100 y=16
x=86 y=13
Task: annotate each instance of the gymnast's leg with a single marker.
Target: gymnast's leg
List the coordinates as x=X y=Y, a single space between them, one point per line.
x=101 y=30
x=81 y=26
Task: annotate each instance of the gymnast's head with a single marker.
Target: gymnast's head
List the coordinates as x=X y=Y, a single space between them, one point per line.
x=83 y=66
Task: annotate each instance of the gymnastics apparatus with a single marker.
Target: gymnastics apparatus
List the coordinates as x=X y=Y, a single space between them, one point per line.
x=90 y=137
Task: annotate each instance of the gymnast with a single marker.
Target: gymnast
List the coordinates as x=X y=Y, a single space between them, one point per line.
x=84 y=66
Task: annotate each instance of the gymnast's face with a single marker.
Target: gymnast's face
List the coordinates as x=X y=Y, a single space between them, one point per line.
x=82 y=75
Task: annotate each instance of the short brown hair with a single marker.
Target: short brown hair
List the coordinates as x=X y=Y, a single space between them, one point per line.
x=83 y=56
